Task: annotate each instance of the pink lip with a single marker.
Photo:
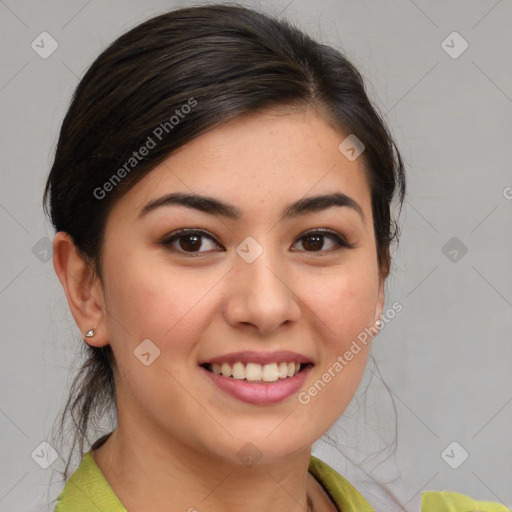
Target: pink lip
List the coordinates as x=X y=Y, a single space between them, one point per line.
x=255 y=393
x=248 y=356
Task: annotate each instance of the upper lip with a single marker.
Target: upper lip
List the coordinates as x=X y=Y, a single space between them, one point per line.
x=248 y=356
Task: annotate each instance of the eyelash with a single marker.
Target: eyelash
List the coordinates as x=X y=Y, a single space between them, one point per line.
x=182 y=233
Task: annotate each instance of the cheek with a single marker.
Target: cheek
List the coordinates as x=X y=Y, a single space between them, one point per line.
x=169 y=306
x=172 y=309
x=345 y=303
x=352 y=309
x=343 y=306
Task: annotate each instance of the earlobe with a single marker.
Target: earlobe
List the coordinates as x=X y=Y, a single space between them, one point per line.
x=83 y=290
x=379 y=306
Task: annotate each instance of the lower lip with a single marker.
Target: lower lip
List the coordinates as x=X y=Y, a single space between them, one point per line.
x=262 y=394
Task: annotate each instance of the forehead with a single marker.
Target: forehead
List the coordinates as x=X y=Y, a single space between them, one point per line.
x=259 y=160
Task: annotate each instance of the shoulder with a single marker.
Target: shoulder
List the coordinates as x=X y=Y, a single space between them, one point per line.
x=349 y=499
x=86 y=490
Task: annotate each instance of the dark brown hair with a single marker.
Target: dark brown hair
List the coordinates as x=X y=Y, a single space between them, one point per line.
x=222 y=61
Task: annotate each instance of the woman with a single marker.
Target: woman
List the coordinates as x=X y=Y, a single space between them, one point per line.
x=221 y=193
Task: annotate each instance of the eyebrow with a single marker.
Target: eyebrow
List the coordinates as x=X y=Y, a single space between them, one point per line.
x=216 y=207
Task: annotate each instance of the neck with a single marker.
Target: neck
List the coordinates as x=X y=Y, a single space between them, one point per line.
x=151 y=475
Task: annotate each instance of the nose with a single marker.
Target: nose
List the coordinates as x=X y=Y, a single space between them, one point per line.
x=261 y=295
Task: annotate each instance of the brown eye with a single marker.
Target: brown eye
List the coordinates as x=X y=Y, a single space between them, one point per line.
x=190 y=241
x=314 y=241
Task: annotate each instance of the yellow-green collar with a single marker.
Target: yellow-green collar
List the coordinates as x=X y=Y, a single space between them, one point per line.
x=346 y=497
x=87 y=490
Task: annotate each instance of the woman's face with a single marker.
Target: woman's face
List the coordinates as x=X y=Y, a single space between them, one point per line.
x=253 y=281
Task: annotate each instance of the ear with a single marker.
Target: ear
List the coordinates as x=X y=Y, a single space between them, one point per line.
x=82 y=287
x=379 y=305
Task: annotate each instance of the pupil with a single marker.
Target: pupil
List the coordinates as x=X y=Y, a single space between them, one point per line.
x=317 y=242
x=196 y=243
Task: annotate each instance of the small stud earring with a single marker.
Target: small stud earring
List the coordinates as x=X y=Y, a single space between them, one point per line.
x=378 y=323
x=90 y=333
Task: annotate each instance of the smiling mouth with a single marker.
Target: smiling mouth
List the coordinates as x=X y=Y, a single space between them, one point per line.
x=257 y=373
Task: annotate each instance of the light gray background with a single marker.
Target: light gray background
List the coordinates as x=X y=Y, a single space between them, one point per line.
x=446 y=357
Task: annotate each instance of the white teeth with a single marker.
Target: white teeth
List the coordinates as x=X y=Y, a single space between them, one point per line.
x=270 y=372
x=238 y=371
x=254 y=372
x=226 y=370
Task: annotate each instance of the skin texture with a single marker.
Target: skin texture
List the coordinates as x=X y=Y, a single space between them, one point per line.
x=178 y=435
